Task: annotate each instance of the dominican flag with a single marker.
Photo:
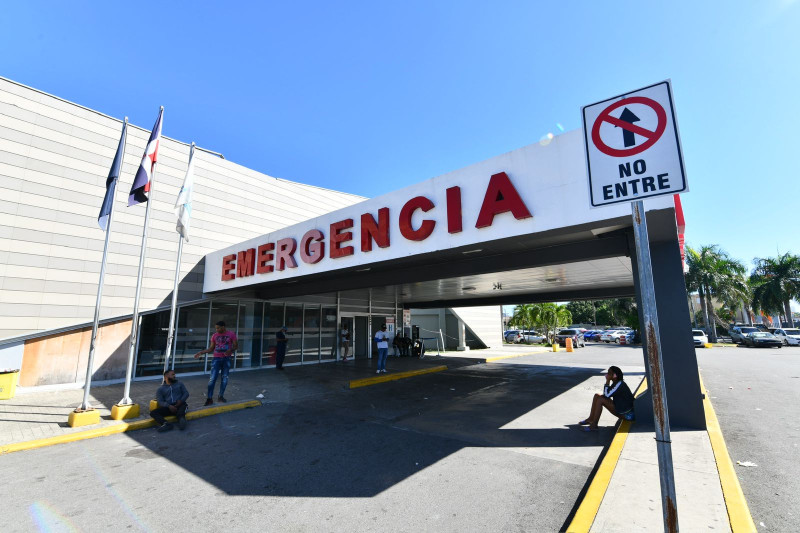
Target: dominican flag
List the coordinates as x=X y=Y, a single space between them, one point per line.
x=141 y=183
x=183 y=205
x=111 y=181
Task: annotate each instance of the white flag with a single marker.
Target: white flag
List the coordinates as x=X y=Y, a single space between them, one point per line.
x=183 y=205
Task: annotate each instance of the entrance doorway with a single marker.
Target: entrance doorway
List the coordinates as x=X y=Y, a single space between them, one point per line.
x=359 y=335
x=360 y=340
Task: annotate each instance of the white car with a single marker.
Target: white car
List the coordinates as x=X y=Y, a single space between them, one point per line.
x=700 y=337
x=788 y=336
x=612 y=335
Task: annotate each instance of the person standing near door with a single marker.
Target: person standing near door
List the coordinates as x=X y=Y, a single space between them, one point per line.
x=382 y=340
x=283 y=341
x=345 y=341
x=223 y=343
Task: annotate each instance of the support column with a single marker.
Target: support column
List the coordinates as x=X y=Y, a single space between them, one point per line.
x=681 y=376
x=462 y=337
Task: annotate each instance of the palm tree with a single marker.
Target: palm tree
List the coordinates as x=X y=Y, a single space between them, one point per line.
x=551 y=317
x=775 y=282
x=713 y=273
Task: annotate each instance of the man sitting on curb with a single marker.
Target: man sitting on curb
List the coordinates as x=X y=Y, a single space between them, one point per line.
x=171 y=398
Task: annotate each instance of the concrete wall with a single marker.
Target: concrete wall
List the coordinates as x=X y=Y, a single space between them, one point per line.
x=62 y=358
x=54 y=160
x=485 y=322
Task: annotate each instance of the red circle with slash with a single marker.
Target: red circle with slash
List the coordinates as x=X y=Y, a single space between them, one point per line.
x=651 y=136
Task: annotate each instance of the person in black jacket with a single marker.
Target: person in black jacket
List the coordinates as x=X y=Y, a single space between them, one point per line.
x=171 y=397
x=616 y=397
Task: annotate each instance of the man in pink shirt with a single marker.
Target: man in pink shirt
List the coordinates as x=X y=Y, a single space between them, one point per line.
x=224 y=344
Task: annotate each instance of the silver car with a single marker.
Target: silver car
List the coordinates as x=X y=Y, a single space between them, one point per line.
x=530 y=337
x=738 y=333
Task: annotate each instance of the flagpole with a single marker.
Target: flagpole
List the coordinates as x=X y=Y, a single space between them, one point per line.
x=85 y=406
x=172 y=325
x=171 y=334
x=126 y=398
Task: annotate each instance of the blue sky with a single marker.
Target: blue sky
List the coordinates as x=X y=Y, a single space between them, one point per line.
x=367 y=97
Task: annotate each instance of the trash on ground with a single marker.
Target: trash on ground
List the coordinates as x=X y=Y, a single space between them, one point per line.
x=260 y=396
x=745 y=463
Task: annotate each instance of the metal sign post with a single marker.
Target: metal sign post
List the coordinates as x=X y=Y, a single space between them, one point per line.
x=658 y=390
x=633 y=152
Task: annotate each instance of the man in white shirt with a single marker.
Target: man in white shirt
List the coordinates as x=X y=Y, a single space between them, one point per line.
x=382 y=340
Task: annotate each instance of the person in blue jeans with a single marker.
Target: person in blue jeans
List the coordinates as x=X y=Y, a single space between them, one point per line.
x=223 y=344
x=382 y=340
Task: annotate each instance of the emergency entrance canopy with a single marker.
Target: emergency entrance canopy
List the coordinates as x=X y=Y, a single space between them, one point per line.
x=527 y=196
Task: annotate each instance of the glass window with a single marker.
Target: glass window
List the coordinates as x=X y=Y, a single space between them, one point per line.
x=328 y=333
x=152 y=344
x=191 y=336
x=273 y=320
x=311 y=334
x=248 y=332
x=294 y=322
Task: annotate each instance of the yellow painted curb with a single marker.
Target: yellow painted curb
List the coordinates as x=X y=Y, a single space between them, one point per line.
x=122 y=427
x=500 y=357
x=356 y=383
x=590 y=505
x=738 y=511
x=153 y=405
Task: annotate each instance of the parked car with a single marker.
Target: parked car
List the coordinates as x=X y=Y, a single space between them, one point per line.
x=574 y=334
x=788 y=336
x=763 y=339
x=612 y=335
x=530 y=337
x=700 y=337
x=738 y=333
x=511 y=335
x=590 y=334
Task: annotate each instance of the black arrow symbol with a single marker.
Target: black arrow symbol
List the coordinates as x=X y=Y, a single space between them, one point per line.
x=628 y=137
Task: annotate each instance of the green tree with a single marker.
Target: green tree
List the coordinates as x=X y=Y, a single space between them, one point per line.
x=582 y=311
x=713 y=273
x=775 y=282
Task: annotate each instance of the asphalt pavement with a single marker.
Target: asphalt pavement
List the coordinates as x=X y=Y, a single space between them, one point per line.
x=482 y=447
x=756 y=394
x=479 y=447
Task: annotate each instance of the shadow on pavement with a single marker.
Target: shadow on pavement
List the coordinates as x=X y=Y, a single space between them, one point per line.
x=323 y=441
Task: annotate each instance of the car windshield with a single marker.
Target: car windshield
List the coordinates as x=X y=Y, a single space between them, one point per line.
x=567 y=332
x=748 y=330
x=698 y=332
x=792 y=331
x=762 y=335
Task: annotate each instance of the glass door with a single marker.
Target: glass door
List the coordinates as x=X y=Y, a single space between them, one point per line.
x=361 y=339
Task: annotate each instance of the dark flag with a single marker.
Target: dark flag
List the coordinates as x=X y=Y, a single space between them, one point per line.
x=141 y=183
x=111 y=181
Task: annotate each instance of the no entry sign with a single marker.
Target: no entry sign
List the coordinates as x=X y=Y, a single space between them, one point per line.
x=632 y=147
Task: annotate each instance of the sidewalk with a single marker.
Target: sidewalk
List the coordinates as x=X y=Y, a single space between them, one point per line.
x=632 y=501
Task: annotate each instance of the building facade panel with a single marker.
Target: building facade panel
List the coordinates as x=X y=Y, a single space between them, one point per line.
x=54 y=159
